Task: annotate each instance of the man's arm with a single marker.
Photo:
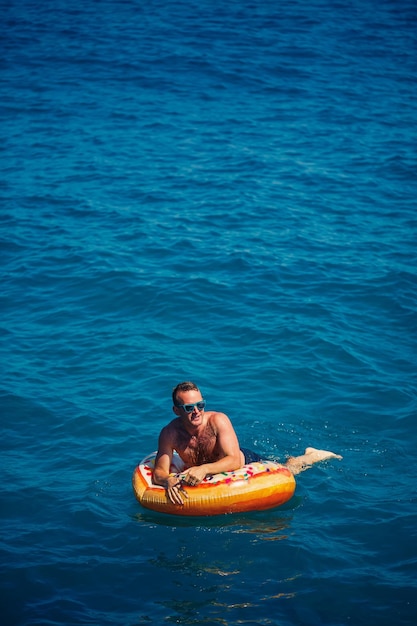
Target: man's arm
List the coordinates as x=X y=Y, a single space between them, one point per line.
x=161 y=473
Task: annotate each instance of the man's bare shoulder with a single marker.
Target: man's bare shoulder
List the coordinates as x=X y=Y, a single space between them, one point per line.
x=171 y=429
x=216 y=415
x=217 y=419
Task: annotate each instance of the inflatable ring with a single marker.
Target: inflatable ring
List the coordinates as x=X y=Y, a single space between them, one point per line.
x=255 y=487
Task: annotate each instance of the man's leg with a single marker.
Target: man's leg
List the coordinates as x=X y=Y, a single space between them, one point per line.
x=297 y=464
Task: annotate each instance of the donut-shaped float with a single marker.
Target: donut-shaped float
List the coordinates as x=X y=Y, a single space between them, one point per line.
x=254 y=487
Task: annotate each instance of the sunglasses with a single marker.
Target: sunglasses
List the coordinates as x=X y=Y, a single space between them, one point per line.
x=189 y=408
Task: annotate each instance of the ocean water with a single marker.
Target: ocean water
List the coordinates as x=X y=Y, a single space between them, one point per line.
x=221 y=192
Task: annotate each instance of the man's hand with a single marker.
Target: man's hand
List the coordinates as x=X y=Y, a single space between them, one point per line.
x=194 y=475
x=174 y=490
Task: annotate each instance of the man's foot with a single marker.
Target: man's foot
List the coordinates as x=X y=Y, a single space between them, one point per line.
x=320 y=455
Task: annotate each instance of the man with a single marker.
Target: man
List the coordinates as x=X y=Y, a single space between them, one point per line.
x=207 y=443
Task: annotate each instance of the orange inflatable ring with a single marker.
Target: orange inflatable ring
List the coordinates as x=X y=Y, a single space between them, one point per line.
x=255 y=487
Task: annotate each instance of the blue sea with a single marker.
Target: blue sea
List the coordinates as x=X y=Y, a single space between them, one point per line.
x=224 y=193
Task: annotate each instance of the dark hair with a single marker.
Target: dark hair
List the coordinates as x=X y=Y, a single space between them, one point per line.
x=186 y=386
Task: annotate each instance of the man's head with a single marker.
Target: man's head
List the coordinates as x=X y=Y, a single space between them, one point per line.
x=180 y=388
x=189 y=404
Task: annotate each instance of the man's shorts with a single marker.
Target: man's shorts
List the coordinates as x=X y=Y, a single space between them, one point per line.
x=250 y=456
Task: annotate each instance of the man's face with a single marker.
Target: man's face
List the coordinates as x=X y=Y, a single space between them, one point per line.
x=194 y=417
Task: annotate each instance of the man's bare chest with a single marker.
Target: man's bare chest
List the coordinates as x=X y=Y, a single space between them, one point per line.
x=199 y=448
